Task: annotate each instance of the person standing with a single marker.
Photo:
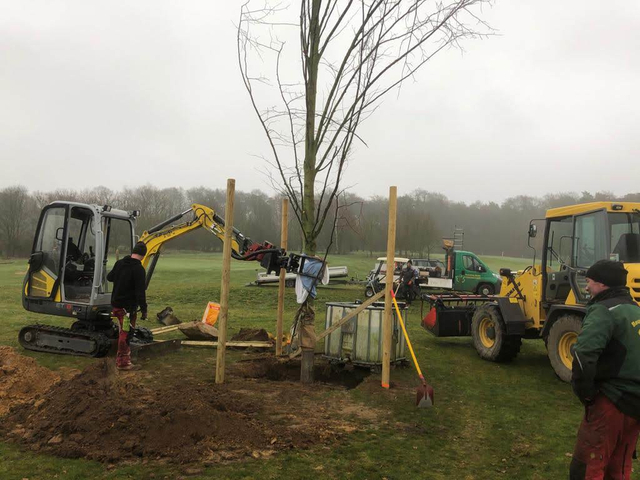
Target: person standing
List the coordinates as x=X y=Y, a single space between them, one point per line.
x=408 y=277
x=606 y=377
x=129 y=285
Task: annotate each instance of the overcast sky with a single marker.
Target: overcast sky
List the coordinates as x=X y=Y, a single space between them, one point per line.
x=119 y=93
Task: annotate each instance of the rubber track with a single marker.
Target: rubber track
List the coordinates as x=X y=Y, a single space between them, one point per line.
x=102 y=341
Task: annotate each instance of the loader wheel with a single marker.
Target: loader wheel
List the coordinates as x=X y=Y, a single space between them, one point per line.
x=490 y=335
x=485 y=289
x=290 y=283
x=368 y=292
x=562 y=336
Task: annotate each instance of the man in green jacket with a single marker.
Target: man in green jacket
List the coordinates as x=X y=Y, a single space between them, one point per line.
x=606 y=377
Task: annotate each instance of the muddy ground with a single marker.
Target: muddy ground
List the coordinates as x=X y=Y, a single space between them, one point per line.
x=112 y=416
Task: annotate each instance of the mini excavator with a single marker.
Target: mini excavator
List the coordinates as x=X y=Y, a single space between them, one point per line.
x=74 y=248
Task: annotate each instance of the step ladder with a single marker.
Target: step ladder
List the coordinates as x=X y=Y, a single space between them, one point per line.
x=458 y=238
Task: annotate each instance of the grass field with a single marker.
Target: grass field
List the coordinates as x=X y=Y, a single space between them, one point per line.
x=511 y=421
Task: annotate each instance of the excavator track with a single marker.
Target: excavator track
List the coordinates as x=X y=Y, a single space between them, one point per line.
x=45 y=338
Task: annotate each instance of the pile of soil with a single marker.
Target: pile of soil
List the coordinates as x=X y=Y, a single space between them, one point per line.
x=22 y=380
x=252 y=335
x=112 y=416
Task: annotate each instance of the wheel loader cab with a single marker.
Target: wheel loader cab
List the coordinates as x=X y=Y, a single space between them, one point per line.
x=576 y=237
x=74 y=247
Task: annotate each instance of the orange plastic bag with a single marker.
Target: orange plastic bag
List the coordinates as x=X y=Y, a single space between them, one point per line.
x=211 y=313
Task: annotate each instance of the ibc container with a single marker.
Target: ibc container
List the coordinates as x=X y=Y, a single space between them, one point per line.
x=359 y=341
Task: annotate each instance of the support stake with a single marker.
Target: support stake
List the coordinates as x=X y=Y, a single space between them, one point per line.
x=224 y=285
x=386 y=324
x=281 y=284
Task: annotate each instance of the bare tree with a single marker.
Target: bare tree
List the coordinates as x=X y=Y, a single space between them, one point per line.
x=16 y=220
x=350 y=54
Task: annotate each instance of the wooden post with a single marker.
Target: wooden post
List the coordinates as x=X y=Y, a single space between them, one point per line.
x=386 y=324
x=224 y=285
x=283 y=244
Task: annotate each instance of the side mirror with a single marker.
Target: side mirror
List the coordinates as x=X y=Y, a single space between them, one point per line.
x=59 y=233
x=533 y=230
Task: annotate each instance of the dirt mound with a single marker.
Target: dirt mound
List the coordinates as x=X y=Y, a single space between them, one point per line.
x=251 y=335
x=110 y=416
x=22 y=380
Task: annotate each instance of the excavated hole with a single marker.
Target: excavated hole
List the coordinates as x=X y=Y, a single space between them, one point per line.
x=276 y=370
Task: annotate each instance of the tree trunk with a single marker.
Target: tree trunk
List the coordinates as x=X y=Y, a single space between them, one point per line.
x=308 y=197
x=310 y=147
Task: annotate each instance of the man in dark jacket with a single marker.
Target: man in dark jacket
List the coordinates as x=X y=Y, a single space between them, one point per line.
x=606 y=377
x=408 y=286
x=129 y=284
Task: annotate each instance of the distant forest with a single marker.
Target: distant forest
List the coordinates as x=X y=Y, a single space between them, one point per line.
x=358 y=224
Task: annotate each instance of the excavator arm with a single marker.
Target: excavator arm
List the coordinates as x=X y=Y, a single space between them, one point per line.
x=242 y=248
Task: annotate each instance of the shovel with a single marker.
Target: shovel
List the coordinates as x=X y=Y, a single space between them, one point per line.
x=424 y=393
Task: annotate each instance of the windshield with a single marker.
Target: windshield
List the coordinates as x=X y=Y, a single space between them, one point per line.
x=601 y=235
x=625 y=233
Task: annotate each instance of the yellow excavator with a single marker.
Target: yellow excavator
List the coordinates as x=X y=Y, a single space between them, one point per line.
x=74 y=248
x=547 y=299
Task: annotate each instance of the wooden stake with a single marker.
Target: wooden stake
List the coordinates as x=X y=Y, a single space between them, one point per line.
x=224 y=285
x=205 y=343
x=391 y=250
x=283 y=244
x=166 y=329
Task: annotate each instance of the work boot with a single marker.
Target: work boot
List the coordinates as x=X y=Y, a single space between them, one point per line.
x=128 y=367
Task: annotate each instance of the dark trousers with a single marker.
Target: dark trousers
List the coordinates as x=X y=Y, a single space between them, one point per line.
x=123 y=358
x=606 y=441
x=408 y=292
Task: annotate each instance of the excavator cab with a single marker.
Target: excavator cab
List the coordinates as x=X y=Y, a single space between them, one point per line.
x=74 y=247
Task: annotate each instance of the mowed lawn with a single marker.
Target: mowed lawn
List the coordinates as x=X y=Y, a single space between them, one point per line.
x=505 y=421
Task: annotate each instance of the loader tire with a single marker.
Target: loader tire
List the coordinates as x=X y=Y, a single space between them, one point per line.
x=490 y=335
x=369 y=292
x=562 y=336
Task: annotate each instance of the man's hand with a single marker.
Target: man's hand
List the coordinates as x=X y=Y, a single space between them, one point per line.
x=144 y=316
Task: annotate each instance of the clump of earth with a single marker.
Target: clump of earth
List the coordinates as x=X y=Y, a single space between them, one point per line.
x=111 y=416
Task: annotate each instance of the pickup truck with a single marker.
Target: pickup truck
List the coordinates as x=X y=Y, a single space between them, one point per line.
x=464 y=272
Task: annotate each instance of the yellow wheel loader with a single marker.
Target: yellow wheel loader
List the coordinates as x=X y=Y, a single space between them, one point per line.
x=76 y=245
x=547 y=299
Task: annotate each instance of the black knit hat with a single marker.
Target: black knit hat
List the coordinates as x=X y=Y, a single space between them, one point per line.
x=609 y=273
x=139 y=249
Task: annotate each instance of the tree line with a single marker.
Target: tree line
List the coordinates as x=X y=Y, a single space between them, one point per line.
x=355 y=223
